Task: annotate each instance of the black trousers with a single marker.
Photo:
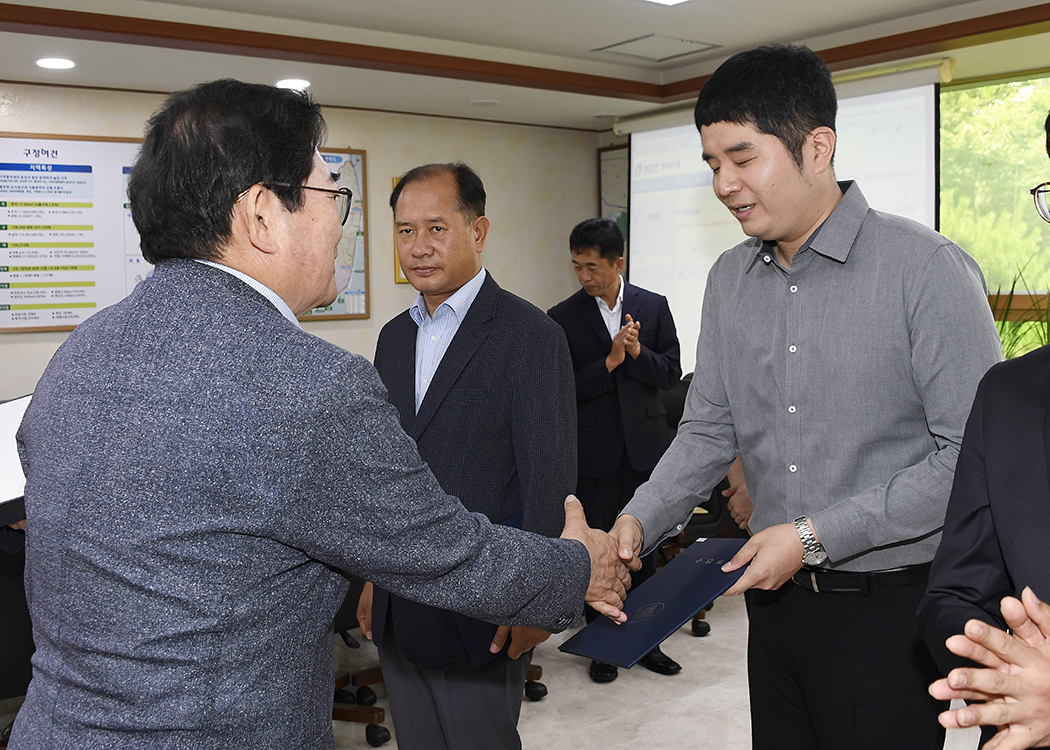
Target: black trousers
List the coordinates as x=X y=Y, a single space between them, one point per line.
x=840 y=671
x=603 y=499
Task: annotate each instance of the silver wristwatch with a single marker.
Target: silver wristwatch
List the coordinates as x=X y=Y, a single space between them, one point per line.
x=812 y=550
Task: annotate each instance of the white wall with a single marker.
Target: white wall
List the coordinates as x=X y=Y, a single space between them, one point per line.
x=540 y=183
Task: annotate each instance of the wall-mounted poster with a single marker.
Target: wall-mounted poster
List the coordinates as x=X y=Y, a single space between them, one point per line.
x=69 y=248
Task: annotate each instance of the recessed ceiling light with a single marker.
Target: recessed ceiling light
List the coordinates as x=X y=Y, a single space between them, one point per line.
x=55 y=63
x=299 y=84
x=485 y=103
x=666 y=2
x=604 y=116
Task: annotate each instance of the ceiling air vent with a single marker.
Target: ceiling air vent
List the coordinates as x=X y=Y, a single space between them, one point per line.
x=657 y=48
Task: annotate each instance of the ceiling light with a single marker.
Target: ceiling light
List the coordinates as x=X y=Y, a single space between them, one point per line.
x=299 y=84
x=484 y=103
x=666 y=2
x=55 y=63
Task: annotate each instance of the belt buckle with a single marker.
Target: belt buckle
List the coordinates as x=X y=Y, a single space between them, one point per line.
x=813 y=580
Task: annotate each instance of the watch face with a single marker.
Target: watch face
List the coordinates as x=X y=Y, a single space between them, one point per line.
x=815 y=558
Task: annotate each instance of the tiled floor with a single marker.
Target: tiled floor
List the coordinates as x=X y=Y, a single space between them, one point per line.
x=705 y=706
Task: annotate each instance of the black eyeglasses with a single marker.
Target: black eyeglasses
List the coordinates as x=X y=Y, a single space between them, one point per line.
x=343 y=196
x=1039 y=193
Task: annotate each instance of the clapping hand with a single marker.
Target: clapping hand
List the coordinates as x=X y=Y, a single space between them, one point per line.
x=1015 y=679
x=624 y=342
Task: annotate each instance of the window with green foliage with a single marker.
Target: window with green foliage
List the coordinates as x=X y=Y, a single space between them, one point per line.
x=993 y=151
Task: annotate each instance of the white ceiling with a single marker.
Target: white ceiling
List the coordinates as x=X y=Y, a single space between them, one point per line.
x=552 y=35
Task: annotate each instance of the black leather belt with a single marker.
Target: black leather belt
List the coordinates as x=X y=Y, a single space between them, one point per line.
x=845 y=582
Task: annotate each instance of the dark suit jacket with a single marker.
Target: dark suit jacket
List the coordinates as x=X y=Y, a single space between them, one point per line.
x=16 y=632
x=198 y=469
x=996 y=532
x=620 y=410
x=497 y=428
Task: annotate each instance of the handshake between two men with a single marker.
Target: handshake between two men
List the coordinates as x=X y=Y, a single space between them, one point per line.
x=610 y=567
x=610 y=578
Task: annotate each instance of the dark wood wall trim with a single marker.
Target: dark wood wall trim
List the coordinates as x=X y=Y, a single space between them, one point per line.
x=944 y=38
x=108 y=28
x=993 y=28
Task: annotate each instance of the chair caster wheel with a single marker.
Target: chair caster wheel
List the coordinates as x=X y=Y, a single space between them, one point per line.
x=535 y=691
x=376 y=735
x=366 y=696
x=342 y=695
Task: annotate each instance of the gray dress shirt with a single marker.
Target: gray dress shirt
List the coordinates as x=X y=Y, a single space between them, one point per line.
x=844 y=384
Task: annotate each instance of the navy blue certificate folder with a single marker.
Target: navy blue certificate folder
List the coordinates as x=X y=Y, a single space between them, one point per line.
x=661 y=605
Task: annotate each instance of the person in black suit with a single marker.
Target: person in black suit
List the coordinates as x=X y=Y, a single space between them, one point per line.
x=624 y=351
x=493 y=417
x=992 y=567
x=16 y=631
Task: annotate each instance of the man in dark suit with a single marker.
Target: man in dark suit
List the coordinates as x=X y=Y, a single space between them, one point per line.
x=624 y=350
x=199 y=469
x=482 y=381
x=993 y=548
x=16 y=636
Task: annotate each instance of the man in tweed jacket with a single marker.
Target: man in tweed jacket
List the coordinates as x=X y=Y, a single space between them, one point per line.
x=198 y=467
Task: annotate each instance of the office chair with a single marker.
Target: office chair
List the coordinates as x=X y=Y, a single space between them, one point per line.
x=357 y=706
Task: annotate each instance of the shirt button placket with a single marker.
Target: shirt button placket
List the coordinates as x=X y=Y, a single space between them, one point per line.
x=793 y=393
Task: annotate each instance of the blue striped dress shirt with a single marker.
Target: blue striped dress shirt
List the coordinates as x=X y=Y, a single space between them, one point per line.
x=436 y=333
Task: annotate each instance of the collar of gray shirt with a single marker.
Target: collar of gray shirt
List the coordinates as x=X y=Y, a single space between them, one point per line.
x=839 y=251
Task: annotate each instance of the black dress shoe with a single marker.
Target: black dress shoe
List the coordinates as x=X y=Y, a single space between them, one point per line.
x=657 y=661
x=602 y=672
x=701 y=628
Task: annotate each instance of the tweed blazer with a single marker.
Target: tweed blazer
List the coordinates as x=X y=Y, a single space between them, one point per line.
x=198 y=470
x=498 y=429
x=621 y=410
x=994 y=541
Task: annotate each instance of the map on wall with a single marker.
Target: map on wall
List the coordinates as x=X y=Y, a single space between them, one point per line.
x=351 y=264
x=68 y=246
x=614 y=170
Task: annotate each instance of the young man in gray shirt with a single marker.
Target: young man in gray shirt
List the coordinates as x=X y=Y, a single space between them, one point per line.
x=839 y=350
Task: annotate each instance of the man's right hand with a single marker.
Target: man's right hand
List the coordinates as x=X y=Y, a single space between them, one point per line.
x=364 y=610
x=1013 y=687
x=740 y=507
x=609 y=576
x=625 y=341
